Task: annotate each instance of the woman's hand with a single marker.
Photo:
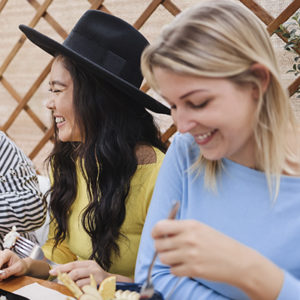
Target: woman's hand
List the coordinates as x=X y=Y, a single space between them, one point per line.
x=194 y=249
x=80 y=271
x=12 y=264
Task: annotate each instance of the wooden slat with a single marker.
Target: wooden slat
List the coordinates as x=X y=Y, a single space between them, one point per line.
x=294 y=86
x=96 y=4
x=22 y=39
x=10 y=89
x=259 y=11
x=27 y=97
x=147 y=13
x=168 y=133
x=284 y=16
x=99 y=6
x=42 y=143
x=268 y=19
x=39 y=13
x=5 y=83
x=56 y=26
x=2 y=4
x=12 y=54
x=171 y=7
x=18 y=98
x=104 y=8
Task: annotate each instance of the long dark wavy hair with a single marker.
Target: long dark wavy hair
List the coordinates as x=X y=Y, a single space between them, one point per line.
x=112 y=125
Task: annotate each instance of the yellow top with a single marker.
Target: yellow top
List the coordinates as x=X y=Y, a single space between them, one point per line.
x=77 y=244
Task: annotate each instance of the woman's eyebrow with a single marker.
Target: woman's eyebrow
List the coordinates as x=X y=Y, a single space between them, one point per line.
x=187 y=94
x=57 y=82
x=192 y=92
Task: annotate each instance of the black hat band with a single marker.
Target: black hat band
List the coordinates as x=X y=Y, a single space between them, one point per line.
x=97 y=54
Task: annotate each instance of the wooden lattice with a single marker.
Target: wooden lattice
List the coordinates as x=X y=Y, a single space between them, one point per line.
x=42 y=12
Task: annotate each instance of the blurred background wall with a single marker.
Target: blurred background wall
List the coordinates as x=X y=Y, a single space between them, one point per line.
x=24 y=67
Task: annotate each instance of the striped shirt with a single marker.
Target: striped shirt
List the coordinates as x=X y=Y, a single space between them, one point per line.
x=21 y=202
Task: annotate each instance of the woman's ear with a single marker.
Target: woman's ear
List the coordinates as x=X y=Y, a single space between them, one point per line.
x=262 y=73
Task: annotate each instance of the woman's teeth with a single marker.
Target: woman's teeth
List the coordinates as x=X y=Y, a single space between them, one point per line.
x=204 y=136
x=59 y=119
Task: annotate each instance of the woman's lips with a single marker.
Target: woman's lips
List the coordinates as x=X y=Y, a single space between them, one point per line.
x=202 y=139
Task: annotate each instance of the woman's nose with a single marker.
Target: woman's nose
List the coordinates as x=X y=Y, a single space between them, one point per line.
x=50 y=104
x=184 y=121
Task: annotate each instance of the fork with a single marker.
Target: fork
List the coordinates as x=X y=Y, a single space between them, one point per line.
x=147 y=290
x=26 y=248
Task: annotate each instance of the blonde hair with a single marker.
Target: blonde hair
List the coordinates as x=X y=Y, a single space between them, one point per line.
x=224 y=39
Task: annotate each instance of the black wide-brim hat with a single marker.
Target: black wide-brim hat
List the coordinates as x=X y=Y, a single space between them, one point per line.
x=107 y=46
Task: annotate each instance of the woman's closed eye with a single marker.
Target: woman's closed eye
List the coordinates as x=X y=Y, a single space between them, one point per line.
x=55 y=91
x=192 y=105
x=198 y=106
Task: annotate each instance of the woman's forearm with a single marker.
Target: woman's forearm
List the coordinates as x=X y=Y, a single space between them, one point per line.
x=123 y=278
x=37 y=268
x=260 y=278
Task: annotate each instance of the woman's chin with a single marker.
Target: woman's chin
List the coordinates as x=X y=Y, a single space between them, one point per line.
x=212 y=156
x=63 y=138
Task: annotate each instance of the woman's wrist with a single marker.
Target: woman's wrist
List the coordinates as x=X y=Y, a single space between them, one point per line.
x=27 y=265
x=36 y=268
x=259 y=277
x=121 y=278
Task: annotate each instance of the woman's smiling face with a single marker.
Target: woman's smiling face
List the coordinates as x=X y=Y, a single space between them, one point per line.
x=60 y=102
x=218 y=114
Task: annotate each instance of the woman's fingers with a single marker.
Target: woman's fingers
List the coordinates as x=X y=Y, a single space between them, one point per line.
x=17 y=269
x=166 y=228
x=68 y=267
x=11 y=264
x=195 y=249
x=5 y=256
x=83 y=282
x=80 y=271
x=172 y=257
x=167 y=243
x=169 y=234
x=181 y=270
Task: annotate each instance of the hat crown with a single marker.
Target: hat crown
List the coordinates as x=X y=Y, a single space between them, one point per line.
x=110 y=43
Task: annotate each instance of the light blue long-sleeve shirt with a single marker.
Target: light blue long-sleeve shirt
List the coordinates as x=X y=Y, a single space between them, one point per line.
x=242 y=208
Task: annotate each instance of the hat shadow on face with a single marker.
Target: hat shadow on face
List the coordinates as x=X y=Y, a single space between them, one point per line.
x=107 y=46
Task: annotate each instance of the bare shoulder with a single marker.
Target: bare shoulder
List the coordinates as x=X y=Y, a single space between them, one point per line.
x=145 y=154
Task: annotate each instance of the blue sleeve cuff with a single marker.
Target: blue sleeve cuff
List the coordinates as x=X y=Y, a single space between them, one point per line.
x=290 y=289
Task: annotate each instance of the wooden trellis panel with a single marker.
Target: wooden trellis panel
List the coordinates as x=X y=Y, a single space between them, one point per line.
x=43 y=12
x=273 y=24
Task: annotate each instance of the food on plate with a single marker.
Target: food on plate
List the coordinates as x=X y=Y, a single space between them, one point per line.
x=70 y=284
x=106 y=290
x=93 y=282
x=127 y=295
x=10 y=239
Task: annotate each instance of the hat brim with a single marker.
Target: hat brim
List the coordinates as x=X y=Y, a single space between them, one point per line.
x=54 y=48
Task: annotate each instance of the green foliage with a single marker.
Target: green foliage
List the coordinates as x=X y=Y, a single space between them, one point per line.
x=291 y=31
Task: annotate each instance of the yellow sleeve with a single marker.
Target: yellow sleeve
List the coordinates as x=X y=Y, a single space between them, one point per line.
x=61 y=254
